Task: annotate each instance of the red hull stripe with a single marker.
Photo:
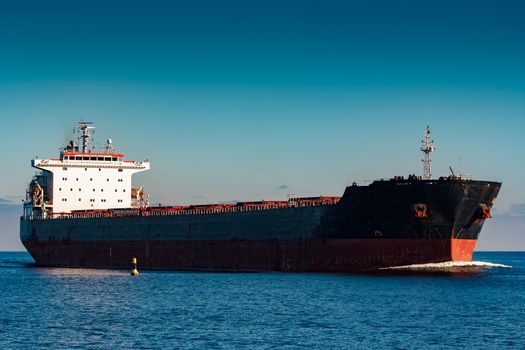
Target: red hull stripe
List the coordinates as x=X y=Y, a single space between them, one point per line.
x=462 y=249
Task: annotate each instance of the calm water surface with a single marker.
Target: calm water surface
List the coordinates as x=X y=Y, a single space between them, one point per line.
x=100 y=309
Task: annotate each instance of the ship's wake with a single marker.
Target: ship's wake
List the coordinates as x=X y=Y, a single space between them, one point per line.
x=447 y=267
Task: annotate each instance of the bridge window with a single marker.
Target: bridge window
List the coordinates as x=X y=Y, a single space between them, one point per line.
x=85 y=158
x=93 y=158
x=64 y=168
x=100 y=158
x=78 y=158
x=120 y=170
x=114 y=159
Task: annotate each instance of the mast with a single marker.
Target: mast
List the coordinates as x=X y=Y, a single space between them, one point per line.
x=86 y=128
x=427 y=148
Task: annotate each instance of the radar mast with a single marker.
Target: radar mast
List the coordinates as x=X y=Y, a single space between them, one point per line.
x=85 y=128
x=427 y=148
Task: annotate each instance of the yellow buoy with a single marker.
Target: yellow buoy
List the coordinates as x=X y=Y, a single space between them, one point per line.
x=134 y=271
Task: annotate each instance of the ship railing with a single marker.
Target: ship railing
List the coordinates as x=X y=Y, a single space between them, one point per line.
x=167 y=211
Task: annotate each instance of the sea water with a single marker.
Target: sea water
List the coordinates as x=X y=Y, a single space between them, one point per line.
x=444 y=306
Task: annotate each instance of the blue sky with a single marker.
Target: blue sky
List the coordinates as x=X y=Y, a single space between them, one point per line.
x=234 y=100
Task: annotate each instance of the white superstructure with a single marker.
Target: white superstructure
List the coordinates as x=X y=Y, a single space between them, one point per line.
x=82 y=179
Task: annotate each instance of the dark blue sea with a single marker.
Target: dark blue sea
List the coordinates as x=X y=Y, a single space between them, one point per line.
x=443 y=307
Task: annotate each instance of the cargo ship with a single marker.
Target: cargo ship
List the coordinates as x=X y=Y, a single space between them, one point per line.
x=82 y=210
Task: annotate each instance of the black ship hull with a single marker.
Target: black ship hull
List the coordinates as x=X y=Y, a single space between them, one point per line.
x=388 y=223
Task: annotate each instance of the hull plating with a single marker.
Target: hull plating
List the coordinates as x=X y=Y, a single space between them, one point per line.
x=272 y=255
x=388 y=223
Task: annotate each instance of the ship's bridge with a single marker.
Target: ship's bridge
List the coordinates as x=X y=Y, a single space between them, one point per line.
x=93 y=157
x=90 y=160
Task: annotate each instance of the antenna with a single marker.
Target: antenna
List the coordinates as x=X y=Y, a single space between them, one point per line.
x=86 y=128
x=427 y=148
x=109 y=146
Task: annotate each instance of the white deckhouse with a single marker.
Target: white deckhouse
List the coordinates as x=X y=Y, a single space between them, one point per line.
x=82 y=179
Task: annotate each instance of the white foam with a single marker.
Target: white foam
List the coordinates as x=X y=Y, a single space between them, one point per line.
x=447 y=265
